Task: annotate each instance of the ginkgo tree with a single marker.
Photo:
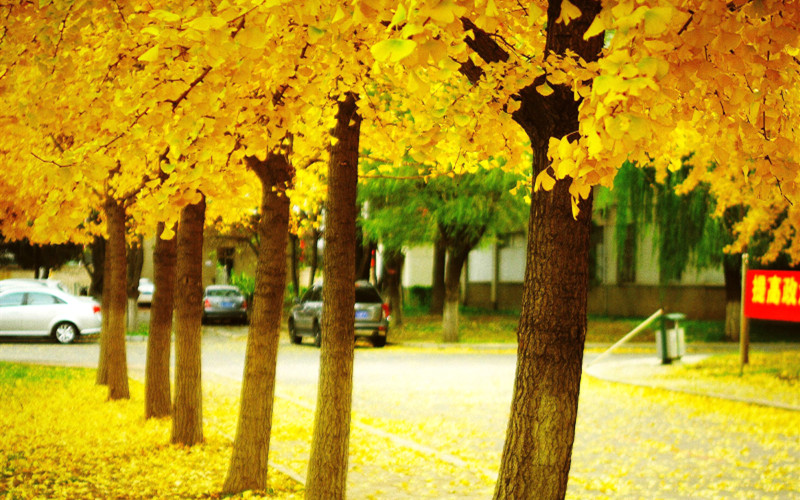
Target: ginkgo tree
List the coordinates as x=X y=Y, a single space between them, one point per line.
x=593 y=85
x=589 y=85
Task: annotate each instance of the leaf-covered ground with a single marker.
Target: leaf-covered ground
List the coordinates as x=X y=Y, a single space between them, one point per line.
x=61 y=439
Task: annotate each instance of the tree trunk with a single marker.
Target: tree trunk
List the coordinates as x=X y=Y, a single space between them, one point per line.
x=135 y=263
x=393 y=261
x=732 y=267
x=158 y=402
x=105 y=298
x=552 y=327
x=456 y=256
x=248 y=468
x=314 y=249
x=97 y=267
x=295 y=265
x=327 y=467
x=187 y=422
x=437 y=285
x=113 y=357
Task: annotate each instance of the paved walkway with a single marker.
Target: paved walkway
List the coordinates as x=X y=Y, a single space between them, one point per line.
x=649 y=371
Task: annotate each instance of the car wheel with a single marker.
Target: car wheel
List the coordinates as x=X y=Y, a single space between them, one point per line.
x=65 y=333
x=317 y=335
x=293 y=336
x=378 y=340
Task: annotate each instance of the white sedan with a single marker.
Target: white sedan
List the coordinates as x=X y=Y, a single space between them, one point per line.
x=146 y=289
x=42 y=311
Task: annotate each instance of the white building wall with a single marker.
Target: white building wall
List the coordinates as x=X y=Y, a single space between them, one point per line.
x=481 y=264
x=512 y=260
x=418 y=268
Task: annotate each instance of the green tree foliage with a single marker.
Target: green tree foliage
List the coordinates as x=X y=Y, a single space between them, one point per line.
x=41 y=258
x=686 y=232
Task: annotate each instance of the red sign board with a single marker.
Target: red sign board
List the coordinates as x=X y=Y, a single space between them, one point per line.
x=772 y=295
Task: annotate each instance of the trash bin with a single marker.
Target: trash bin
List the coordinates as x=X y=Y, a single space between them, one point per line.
x=671 y=342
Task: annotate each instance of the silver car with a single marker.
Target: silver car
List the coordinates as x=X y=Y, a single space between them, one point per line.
x=371 y=315
x=224 y=302
x=42 y=311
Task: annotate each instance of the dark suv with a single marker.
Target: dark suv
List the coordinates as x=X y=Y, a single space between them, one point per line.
x=371 y=315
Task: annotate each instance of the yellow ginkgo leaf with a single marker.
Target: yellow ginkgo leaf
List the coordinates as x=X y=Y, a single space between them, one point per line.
x=150 y=56
x=598 y=26
x=568 y=13
x=393 y=50
x=656 y=20
x=206 y=23
x=544 y=89
x=544 y=181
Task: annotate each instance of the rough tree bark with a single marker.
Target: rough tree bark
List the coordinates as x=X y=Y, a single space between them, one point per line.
x=552 y=328
x=437 y=280
x=157 y=397
x=248 y=467
x=327 y=467
x=113 y=357
x=187 y=421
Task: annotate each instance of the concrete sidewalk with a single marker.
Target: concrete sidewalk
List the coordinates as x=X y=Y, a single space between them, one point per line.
x=648 y=371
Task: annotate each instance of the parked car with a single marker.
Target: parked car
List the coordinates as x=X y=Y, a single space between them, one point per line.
x=146 y=289
x=224 y=302
x=17 y=282
x=41 y=311
x=371 y=315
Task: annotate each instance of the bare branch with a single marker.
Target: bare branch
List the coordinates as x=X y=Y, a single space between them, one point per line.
x=195 y=83
x=50 y=161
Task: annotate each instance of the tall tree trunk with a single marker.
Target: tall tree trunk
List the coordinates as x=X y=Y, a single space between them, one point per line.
x=393 y=261
x=732 y=267
x=105 y=298
x=327 y=467
x=437 y=285
x=314 y=249
x=295 y=265
x=248 y=467
x=134 y=272
x=97 y=267
x=363 y=258
x=187 y=421
x=456 y=256
x=552 y=327
x=157 y=397
x=116 y=367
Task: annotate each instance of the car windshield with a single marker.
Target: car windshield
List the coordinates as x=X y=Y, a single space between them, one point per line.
x=367 y=294
x=225 y=292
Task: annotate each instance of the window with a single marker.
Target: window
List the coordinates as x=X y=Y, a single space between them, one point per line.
x=225 y=260
x=42 y=299
x=626 y=257
x=12 y=299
